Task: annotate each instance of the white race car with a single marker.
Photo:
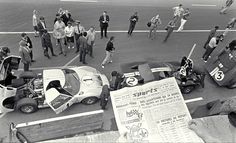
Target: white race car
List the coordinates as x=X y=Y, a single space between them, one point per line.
x=57 y=88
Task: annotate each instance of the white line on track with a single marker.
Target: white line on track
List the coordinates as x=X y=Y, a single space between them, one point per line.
x=193 y=100
x=92 y=1
x=204 y=5
x=125 y=31
x=66 y=65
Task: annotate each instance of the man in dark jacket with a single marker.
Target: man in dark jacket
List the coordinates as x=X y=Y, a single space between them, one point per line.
x=26 y=38
x=133 y=19
x=109 y=52
x=46 y=43
x=41 y=25
x=83 y=47
x=104 y=20
x=104 y=96
x=24 y=52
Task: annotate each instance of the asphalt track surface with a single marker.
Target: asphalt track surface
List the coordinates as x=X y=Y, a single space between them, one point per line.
x=15 y=16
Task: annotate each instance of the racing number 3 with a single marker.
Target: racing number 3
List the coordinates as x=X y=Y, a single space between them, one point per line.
x=218 y=74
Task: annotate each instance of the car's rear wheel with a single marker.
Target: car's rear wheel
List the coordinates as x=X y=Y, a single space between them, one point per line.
x=27 y=105
x=187 y=89
x=89 y=100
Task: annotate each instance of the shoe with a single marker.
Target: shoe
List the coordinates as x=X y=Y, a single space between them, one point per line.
x=60 y=53
x=73 y=47
x=64 y=54
x=77 y=51
x=33 y=61
x=54 y=55
x=103 y=66
x=85 y=63
x=68 y=47
x=110 y=62
x=48 y=57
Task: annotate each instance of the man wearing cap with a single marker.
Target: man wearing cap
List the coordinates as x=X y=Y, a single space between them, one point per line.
x=41 y=25
x=26 y=38
x=211 y=34
x=78 y=31
x=24 y=52
x=104 y=20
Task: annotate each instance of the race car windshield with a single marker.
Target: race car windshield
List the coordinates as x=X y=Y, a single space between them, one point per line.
x=72 y=81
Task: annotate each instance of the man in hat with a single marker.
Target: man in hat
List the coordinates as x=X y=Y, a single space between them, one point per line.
x=78 y=31
x=24 y=52
x=104 y=20
x=41 y=25
x=46 y=43
x=26 y=38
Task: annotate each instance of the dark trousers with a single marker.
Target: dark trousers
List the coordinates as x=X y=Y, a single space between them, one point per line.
x=31 y=54
x=82 y=55
x=131 y=28
x=207 y=53
x=46 y=50
x=103 y=102
x=207 y=42
x=26 y=66
x=77 y=44
x=169 y=31
x=103 y=28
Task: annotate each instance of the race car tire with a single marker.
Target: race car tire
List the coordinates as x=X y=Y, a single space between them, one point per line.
x=89 y=100
x=232 y=86
x=27 y=105
x=28 y=75
x=187 y=89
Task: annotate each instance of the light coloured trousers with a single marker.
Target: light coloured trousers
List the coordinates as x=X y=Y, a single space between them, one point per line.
x=181 y=27
x=108 y=57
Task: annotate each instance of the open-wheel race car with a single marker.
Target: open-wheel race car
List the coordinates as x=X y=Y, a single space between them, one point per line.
x=56 y=88
x=136 y=73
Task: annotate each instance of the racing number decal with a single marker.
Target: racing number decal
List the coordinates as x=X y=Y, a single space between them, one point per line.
x=131 y=81
x=218 y=74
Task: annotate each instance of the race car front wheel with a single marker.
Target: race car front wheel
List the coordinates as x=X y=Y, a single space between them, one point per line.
x=27 y=105
x=89 y=100
x=187 y=89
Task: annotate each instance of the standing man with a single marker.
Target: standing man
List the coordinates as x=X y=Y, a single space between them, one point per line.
x=59 y=35
x=91 y=35
x=78 y=31
x=210 y=47
x=133 y=19
x=83 y=47
x=104 y=20
x=69 y=31
x=184 y=19
x=24 y=52
x=46 y=43
x=178 y=11
x=26 y=38
x=35 y=22
x=155 y=21
x=227 y=5
x=104 y=96
x=109 y=52
x=170 y=28
x=211 y=34
x=41 y=25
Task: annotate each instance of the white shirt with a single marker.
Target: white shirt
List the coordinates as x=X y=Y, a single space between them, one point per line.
x=69 y=31
x=91 y=36
x=178 y=10
x=212 y=42
x=79 y=30
x=58 y=31
x=35 y=20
